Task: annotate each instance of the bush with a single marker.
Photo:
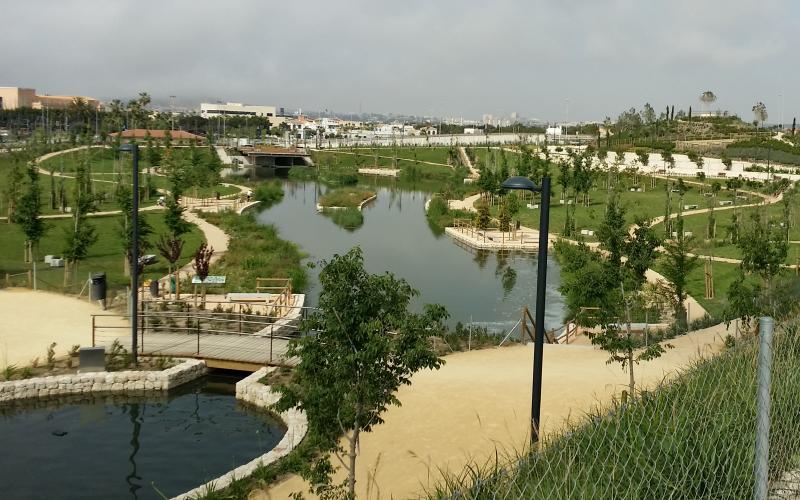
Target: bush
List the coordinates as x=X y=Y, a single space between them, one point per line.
x=269 y=193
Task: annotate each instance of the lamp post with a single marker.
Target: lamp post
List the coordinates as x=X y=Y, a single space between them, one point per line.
x=134 y=150
x=519 y=182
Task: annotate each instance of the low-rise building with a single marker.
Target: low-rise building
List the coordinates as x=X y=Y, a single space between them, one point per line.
x=18 y=97
x=212 y=110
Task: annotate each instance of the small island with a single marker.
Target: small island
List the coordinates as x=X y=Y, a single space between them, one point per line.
x=344 y=198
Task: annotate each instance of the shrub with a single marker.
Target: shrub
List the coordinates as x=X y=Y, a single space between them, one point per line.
x=269 y=193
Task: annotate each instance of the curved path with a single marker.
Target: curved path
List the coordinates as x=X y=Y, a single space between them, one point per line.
x=479 y=402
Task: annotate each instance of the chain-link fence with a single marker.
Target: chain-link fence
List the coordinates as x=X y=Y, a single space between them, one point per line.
x=693 y=437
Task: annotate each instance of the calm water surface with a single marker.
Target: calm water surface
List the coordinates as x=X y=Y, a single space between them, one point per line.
x=128 y=449
x=476 y=286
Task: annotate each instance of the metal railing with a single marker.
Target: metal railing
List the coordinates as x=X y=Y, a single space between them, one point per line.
x=235 y=333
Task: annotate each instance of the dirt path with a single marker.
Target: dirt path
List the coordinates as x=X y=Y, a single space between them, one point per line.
x=31 y=321
x=480 y=401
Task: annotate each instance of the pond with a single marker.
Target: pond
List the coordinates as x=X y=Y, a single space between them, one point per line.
x=130 y=447
x=477 y=287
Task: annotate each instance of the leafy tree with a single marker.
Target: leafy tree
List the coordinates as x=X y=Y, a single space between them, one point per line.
x=601 y=283
x=484 y=218
x=14 y=185
x=367 y=345
x=124 y=199
x=28 y=213
x=82 y=235
x=677 y=266
x=764 y=250
x=612 y=234
x=504 y=217
x=760 y=113
x=648 y=114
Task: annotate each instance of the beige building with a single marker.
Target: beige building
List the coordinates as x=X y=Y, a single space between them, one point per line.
x=18 y=97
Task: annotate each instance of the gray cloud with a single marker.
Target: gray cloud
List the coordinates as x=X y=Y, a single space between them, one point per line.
x=444 y=58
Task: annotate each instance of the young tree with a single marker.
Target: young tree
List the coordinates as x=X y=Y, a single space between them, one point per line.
x=764 y=250
x=202 y=265
x=82 y=235
x=14 y=185
x=678 y=264
x=27 y=215
x=760 y=113
x=483 y=218
x=367 y=345
x=124 y=199
x=504 y=217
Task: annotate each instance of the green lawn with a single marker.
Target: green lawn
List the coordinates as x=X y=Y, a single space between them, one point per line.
x=648 y=204
x=104 y=256
x=721 y=246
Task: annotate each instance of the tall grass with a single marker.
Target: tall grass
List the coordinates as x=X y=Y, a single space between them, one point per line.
x=345 y=197
x=691 y=438
x=256 y=251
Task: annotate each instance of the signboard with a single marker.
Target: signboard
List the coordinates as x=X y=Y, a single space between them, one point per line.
x=210 y=280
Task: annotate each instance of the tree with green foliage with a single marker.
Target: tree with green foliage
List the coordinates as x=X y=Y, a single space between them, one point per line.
x=14 y=186
x=600 y=290
x=28 y=213
x=124 y=199
x=504 y=217
x=764 y=249
x=367 y=345
x=82 y=235
x=711 y=227
x=483 y=218
x=678 y=264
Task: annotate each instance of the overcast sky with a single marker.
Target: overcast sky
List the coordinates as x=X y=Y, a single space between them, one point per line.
x=442 y=57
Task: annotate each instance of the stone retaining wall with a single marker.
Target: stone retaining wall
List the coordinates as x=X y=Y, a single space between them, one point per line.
x=252 y=391
x=102 y=382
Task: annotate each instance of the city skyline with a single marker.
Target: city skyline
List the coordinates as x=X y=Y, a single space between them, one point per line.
x=555 y=63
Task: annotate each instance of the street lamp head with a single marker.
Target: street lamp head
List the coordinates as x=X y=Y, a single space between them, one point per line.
x=520 y=182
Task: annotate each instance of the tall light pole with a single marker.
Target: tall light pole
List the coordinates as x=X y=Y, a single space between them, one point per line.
x=134 y=150
x=519 y=182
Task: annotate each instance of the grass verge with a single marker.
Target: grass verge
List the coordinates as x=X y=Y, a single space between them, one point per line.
x=256 y=251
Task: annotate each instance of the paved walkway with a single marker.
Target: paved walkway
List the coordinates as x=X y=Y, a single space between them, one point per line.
x=29 y=325
x=479 y=402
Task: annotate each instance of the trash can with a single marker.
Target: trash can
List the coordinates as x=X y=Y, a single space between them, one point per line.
x=98 y=291
x=154 y=288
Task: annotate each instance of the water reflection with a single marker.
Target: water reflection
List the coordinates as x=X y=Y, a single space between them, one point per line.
x=477 y=286
x=140 y=447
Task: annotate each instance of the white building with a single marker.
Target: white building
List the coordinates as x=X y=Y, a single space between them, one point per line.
x=210 y=110
x=551 y=131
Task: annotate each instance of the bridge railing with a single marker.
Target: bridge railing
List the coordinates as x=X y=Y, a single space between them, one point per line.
x=221 y=335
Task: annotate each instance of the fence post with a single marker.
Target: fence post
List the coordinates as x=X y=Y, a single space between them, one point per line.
x=766 y=325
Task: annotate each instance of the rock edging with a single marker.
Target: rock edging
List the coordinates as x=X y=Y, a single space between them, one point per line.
x=250 y=390
x=102 y=382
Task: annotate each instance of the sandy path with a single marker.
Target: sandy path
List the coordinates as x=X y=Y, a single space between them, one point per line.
x=33 y=320
x=480 y=401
